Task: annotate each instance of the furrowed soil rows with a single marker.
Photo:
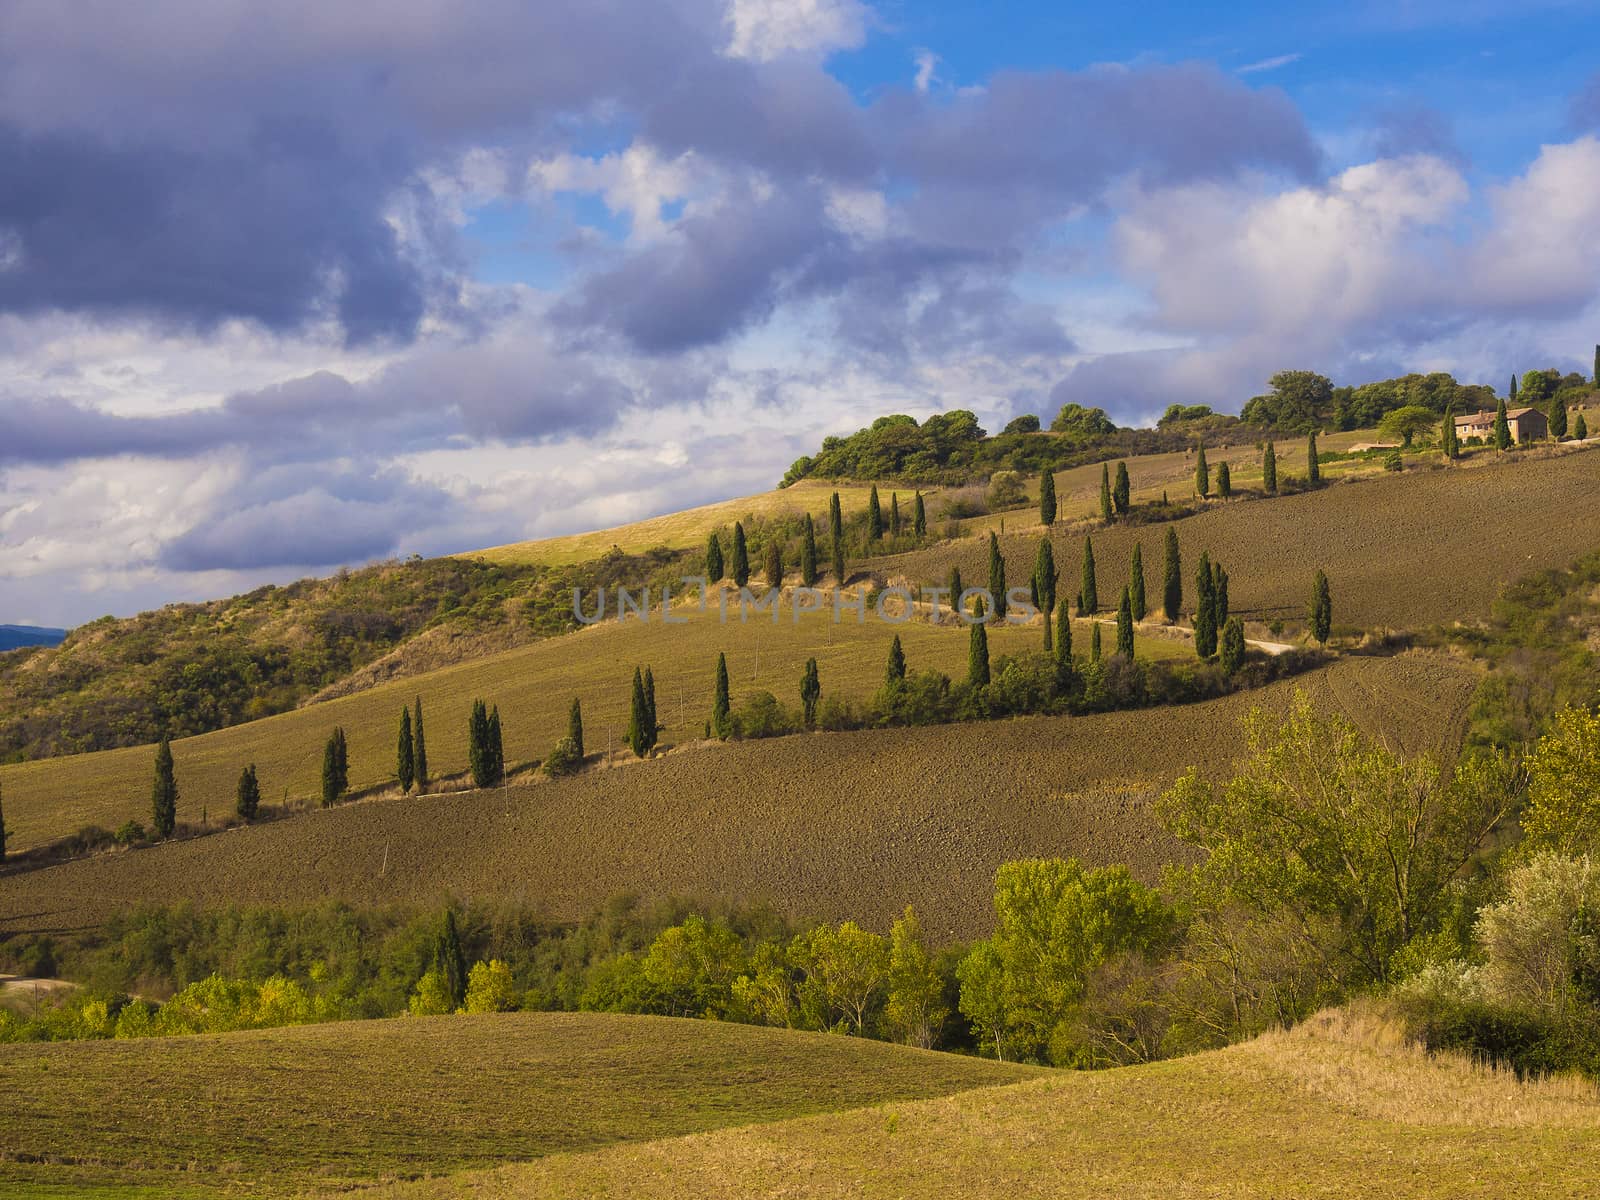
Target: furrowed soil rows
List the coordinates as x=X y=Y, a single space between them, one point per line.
x=828 y=825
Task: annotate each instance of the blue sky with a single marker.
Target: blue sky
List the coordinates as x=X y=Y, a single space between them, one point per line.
x=284 y=289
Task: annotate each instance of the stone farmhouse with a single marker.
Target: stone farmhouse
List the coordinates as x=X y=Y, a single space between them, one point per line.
x=1526 y=424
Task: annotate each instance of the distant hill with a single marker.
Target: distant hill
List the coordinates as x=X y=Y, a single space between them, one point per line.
x=14 y=637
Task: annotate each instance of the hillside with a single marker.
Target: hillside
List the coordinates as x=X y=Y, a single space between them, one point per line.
x=838 y=825
x=1336 y=1108
x=278 y=1111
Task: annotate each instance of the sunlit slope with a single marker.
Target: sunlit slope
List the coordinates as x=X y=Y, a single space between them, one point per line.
x=1336 y=1109
x=836 y=825
x=278 y=1111
x=533 y=686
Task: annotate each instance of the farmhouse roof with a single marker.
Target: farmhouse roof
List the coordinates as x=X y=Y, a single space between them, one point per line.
x=1483 y=416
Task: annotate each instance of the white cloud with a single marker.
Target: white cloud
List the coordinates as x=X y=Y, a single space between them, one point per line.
x=1543 y=248
x=637 y=181
x=767 y=29
x=927 y=69
x=1270 y=64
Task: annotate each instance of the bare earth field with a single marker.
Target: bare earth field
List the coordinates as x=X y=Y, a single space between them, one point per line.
x=279 y=1111
x=825 y=825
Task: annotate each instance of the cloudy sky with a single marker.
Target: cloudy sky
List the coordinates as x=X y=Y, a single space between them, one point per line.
x=293 y=285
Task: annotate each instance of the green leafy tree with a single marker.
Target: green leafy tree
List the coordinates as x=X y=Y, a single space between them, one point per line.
x=721 y=704
x=836 y=538
x=1321 y=613
x=774 y=564
x=1563 y=813
x=919 y=517
x=575 y=727
x=1329 y=830
x=874 y=515
x=1406 y=423
x=1202 y=475
x=1106 y=507
x=1205 y=615
x=1125 y=627
x=1172 y=584
x=1313 y=467
x=808 y=555
x=1121 y=491
x=1089 y=591
x=1224 y=480
x=715 y=569
x=844 y=975
x=420 y=758
x=1136 y=597
x=810 y=692
x=895 y=672
x=1502 y=428
x=741 y=556
x=247 y=796
x=978 y=656
x=1044 y=585
x=405 y=754
x=1232 y=647
x=1269 y=470
x=491 y=988
x=1047 y=498
x=997 y=578
x=164 y=794
x=915 y=1010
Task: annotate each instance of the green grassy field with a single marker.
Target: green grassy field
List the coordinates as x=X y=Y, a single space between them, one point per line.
x=533 y=686
x=836 y=825
x=282 y=1111
x=1337 y=1108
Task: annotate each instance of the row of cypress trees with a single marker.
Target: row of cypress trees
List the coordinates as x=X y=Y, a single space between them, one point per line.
x=486 y=758
x=738 y=570
x=643 y=728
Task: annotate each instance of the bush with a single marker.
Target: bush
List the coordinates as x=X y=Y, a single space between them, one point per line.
x=563 y=759
x=432 y=995
x=130 y=833
x=1006 y=490
x=763 y=717
x=490 y=988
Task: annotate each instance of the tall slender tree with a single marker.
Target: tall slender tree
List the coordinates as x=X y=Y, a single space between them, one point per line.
x=715 y=569
x=1172 y=579
x=1232 y=649
x=1513 y=392
x=808 y=555
x=1558 y=417
x=1047 y=498
x=1269 y=470
x=997 y=579
x=1136 y=583
x=247 y=796
x=1105 y=494
x=344 y=758
x=1121 y=490
x=420 y=758
x=894 y=514
x=722 y=703
x=478 y=738
x=575 y=727
x=497 y=749
x=874 y=515
x=774 y=564
x=1088 y=588
x=978 y=656
x=637 y=736
x=1125 y=627
x=1219 y=594
x=1205 y=614
x=1502 y=428
x=1202 y=474
x=1094 y=642
x=653 y=725
x=1224 y=480
x=405 y=754
x=895 y=672
x=1313 y=467
x=1321 y=608
x=741 y=556
x=164 y=793
x=956 y=588
x=450 y=961
x=810 y=692
x=1044 y=586
x=836 y=538
x=1449 y=439
x=1063 y=646
x=919 y=517
x=333 y=781
x=1580 y=428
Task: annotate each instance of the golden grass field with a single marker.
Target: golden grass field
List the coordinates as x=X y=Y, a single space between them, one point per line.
x=282 y=1111
x=833 y=825
x=533 y=685
x=1340 y=1107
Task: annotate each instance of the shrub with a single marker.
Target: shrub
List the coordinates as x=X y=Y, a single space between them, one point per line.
x=490 y=988
x=432 y=995
x=564 y=759
x=762 y=717
x=1005 y=490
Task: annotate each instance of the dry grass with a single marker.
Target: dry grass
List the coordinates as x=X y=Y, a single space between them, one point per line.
x=1327 y=1111
x=840 y=825
x=280 y=1110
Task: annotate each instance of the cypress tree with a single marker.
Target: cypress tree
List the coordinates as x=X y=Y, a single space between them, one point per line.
x=420 y=758
x=956 y=588
x=164 y=794
x=478 y=742
x=1502 y=428
x=1313 y=467
x=1044 y=586
x=1232 y=647
x=1063 y=646
x=1219 y=594
x=997 y=579
x=836 y=536
x=497 y=750
x=1094 y=642
x=1321 y=609
x=1202 y=475
x=919 y=518
x=1136 y=598
x=874 y=515
x=722 y=704
x=1105 y=493
x=714 y=565
x=247 y=797
x=1580 y=428
x=1172 y=583
x=808 y=555
x=344 y=759
x=450 y=962
x=774 y=565
x=405 y=754
x=1088 y=590
x=894 y=514
x=1047 y=498
x=741 y=556
x=895 y=672
x=1269 y=470
x=1558 y=418
x=978 y=656
x=575 y=727
x=637 y=736
x=331 y=791
x=810 y=692
x=652 y=727
x=1513 y=392
x=1448 y=441
x=1224 y=481
x=1121 y=491
x=1125 y=627
x=1205 y=617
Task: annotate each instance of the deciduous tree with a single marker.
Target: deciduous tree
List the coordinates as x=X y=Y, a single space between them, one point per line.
x=915 y=1011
